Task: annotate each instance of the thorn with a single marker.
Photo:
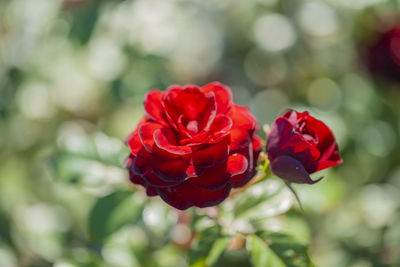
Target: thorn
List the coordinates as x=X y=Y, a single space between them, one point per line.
x=295 y=195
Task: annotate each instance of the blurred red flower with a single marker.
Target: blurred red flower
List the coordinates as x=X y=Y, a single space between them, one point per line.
x=383 y=54
x=68 y=4
x=299 y=145
x=193 y=145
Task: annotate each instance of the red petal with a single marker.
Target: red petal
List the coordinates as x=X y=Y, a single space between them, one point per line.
x=151 y=191
x=241 y=178
x=239 y=139
x=166 y=140
x=156 y=181
x=295 y=117
x=136 y=179
x=281 y=132
x=133 y=139
x=223 y=96
x=181 y=128
x=221 y=126
x=251 y=153
x=153 y=107
x=237 y=164
x=257 y=148
x=218 y=176
x=190 y=102
x=161 y=141
x=134 y=143
x=242 y=118
x=330 y=158
x=322 y=133
x=328 y=154
x=213 y=178
x=170 y=170
x=208 y=114
x=146 y=133
x=128 y=161
x=211 y=154
x=194 y=171
x=283 y=140
x=141 y=162
x=186 y=195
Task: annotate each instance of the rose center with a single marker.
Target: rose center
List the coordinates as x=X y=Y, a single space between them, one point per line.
x=192 y=127
x=307 y=135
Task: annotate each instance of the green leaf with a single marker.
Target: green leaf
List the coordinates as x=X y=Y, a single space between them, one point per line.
x=90 y=160
x=261 y=255
x=250 y=201
x=201 y=246
x=84 y=21
x=112 y=212
x=292 y=252
x=217 y=250
x=264 y=199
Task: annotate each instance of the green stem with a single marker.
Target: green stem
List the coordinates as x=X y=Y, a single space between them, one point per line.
x=295 y=195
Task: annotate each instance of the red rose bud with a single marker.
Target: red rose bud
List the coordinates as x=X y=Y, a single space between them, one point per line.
x=299 y=145
x=383 y=54
x=193 y=145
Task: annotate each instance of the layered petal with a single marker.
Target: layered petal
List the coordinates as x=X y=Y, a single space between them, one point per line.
x=133 y=142
x=189 y=106
x=153 y=179
x=283 y=140
x=161 y=141
x=146 y=133
x=141 y=166
x=166 y=141
x=300 y=139
x=187 y=195
x=223 y=96
x=219 y=175
x=133 y=139
x=242 y=118
x=251 y=153
x=136 y=179
x=211 y=154
x=213 y=178
x=193 y=145
x=153 y=107
x=330 y=157
x=170 y=170
x=243 y=126
x=220 y=128
x=239 y=139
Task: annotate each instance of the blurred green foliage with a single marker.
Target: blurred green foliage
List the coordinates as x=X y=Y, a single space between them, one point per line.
x=73 y=74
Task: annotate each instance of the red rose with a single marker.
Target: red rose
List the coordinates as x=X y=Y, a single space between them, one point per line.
x=383 y=54
x=193 y=145
x=299 y=145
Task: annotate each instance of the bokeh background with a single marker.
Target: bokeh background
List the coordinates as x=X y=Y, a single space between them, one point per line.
x=73 y=75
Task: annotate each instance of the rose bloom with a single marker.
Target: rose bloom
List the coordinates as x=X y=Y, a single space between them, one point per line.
x=193 y=145
x=383 y=54
x=299 y=145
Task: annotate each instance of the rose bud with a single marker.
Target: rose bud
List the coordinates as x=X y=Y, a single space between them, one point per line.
x=383 y=54
x=193 y=145
x=299 y=145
